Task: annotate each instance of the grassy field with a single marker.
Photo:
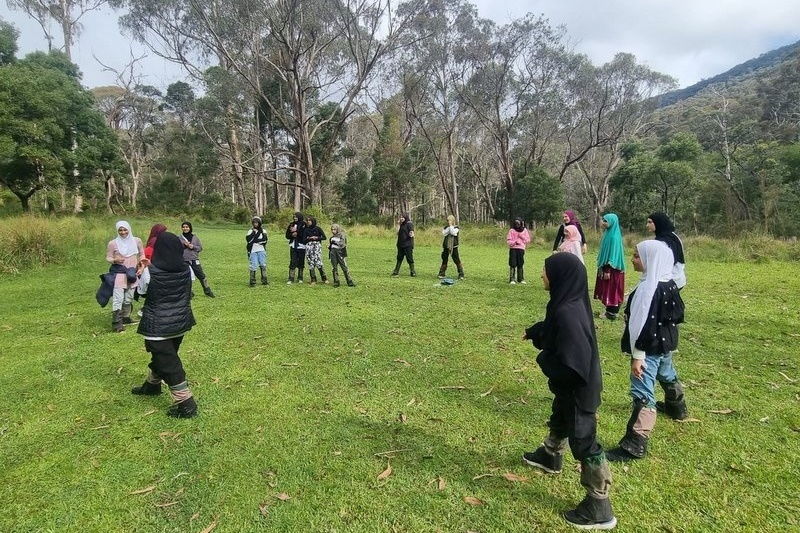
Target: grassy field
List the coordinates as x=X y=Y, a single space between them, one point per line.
x=397 y=405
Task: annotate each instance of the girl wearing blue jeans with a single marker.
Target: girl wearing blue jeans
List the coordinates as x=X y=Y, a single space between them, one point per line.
x=652 y=315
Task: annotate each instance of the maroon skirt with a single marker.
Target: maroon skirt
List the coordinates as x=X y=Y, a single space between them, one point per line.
x=611 y=292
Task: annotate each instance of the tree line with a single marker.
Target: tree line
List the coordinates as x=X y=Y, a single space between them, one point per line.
x=367 y=108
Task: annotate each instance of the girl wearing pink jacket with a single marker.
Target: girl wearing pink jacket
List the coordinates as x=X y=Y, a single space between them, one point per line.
x=517 y=239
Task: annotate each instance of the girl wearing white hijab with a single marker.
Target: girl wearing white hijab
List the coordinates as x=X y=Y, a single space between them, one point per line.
x=123 y=253
x=652 y=315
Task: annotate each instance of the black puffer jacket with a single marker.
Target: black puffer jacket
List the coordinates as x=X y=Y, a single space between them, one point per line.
x=167 y=310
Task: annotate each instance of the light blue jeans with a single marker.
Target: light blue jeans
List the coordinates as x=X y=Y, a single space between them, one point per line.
x=257 y=259
x=656 y=368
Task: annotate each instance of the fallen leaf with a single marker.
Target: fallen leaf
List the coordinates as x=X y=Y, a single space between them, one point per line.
x=195 y=516
x=452 y=387
x=145 y=490
x=479 y=476
x=283 y=497
x=764 y=419
x=214 y=380
x=472 y=500
x=441 y=484
x=790 y=380
x=162 y=505
x=290 y=364
x=264 y=510
x=514 y=478
x=403 y=362
x=721 y=411
x=685 y=420
x=403 y=418
x=119 y=371
x=386 y=473
x=150 y=412
x=487 y=393
x=210 y=527
x=411 y=402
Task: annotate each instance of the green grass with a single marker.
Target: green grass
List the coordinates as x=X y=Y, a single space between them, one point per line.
x=311 y=392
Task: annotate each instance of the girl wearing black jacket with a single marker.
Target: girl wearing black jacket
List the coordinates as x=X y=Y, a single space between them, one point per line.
x=652 y=315
x=166 y=317
x=569 y=358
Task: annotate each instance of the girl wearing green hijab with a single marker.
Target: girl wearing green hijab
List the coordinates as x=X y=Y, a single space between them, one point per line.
x=610 y=285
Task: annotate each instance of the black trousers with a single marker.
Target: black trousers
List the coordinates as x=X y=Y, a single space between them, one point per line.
x=198 y=271
x=569 y=421
x=454 y=253
x=164 y=360
x=297 y=258
x=516 y=257
x=406 y=252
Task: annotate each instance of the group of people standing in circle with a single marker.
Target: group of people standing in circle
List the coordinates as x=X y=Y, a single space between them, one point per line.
x=569 y=355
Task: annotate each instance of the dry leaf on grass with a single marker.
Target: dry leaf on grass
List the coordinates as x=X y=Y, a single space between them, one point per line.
x=264 y=510
x=283 y=497
x=687 y=420
x=487 y=393
x=480 y=476
x=472 y=500
x=441 y=484
x=403 y=418
x=386 y=473
x=290 y=364
x=210 y=527
x=403 y=362
x=765 y=419
x=145 y=490
x=790 y=380
x=514 y=477
x=162 y=505
x=411 y=402
x=150 y=412
x=452 y=387
x=721 y=411
x=195 y=516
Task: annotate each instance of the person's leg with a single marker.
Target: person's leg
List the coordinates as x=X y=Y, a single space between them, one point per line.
x=520 y=269
x=301 y=264
x=127 y=306
x=674 y=404
x=117 y=300
x=549 y=456
x=166 y=364
x=334 y=257
x=253 y=257
x=643 y=414
x=400 y=255
x=457 y=261
x=409 y=251
x=262 y=264
x=443 y=268
x=346 y=271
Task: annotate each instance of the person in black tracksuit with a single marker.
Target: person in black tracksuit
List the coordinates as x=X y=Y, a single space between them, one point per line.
x=570 y=360
x=405 y=245
x=295 y=234
x=166 y=318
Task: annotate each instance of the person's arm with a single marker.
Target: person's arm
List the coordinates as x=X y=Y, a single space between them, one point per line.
x=195 y=244
x=510 y=240
x=446 y=231
x=454 y=231
x=534 y=334
x=526 y=236
x=250 y=237
x=559 y=237
x=322 y=236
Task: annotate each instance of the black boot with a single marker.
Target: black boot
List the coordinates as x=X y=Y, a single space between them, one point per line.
x=313 y=276
x=544 y=461
x=411 y=268
x=206 y=289
x=116 y=322
x=442 y=270
x=520 y=275
x=350 y=282
x=185 y=409
x=264 y=276
x=322 y=276
x=634 y=444
x=147 y=389
x=592 y=513
x=300 y=273
x=512 y=275
x=252 y=278
x=125 y=313
x=460 y=270
x=396 y=271
x=674 y=405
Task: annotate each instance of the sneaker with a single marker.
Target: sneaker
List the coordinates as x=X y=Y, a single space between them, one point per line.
x=299 y=281
x=552 y=464
x=620 y=455
x=351 y=283
x=592 y=513
x=139 y=313
x=289 y=282
x=512 y=282
x=524 y=282
x=441 y=276
x=313 y=283
x=335 y=283
x=611 y=316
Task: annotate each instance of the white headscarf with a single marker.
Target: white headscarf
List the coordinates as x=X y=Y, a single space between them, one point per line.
x=127 y=246
x=657 y=260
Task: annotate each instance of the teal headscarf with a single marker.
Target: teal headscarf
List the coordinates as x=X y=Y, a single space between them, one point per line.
x=611 y=252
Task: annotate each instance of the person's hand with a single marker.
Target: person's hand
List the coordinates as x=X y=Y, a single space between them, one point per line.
x=525 y=336
x=554 y=252
x=637 y=368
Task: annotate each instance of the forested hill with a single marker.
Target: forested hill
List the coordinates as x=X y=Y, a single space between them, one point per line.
x=737 y=73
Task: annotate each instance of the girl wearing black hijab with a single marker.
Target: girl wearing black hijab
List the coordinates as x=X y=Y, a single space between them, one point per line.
x=569 y=358
x=166 y=317
x=191 y=249
x=660 y=224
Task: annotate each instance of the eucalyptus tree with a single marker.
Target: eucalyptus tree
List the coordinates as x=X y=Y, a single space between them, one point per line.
x=66 y=13
x=320 y=51
x=434 y=70
x=608 y=105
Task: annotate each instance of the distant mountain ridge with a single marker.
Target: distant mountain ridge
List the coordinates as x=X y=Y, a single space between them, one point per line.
x=742 y=70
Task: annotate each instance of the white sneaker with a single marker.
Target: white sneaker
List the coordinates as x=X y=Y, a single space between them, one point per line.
x=524 y=282
x=139 y=312
x=299 y=281
x=512 y=282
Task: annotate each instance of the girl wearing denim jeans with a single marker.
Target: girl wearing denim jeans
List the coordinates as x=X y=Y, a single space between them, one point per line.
x=652 y=315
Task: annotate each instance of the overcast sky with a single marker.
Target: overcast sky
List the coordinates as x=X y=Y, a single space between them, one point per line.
x=687 y=39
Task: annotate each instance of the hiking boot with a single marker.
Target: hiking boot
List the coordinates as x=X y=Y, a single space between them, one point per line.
x=335 y=284
x=185 y=409
x=208 y=292
x=351 y=283
x=147 y=389
x=552 y=464
x=592 y=513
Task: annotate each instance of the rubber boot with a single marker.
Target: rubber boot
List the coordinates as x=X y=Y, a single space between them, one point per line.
x=313 y=276
x=511 y=275
x=147 y=389
x=350 y=282
x=549 y=457
x=396 y=271
x=125 y=313
x=336 y=277
x=300 y=274
x=291 y=276
x=634 y=444
x=116 y=322
x=674 y=405
x=520 y=275
x=252 y=278
x=264 y=276
x=185 y=409
x=460 y=270
x=442 y=270
x=413 y=272
x=206 y=289
x=594 y=512
x=322 y=276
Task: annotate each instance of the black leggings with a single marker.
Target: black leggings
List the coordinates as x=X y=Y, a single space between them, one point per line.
x=198 y=270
